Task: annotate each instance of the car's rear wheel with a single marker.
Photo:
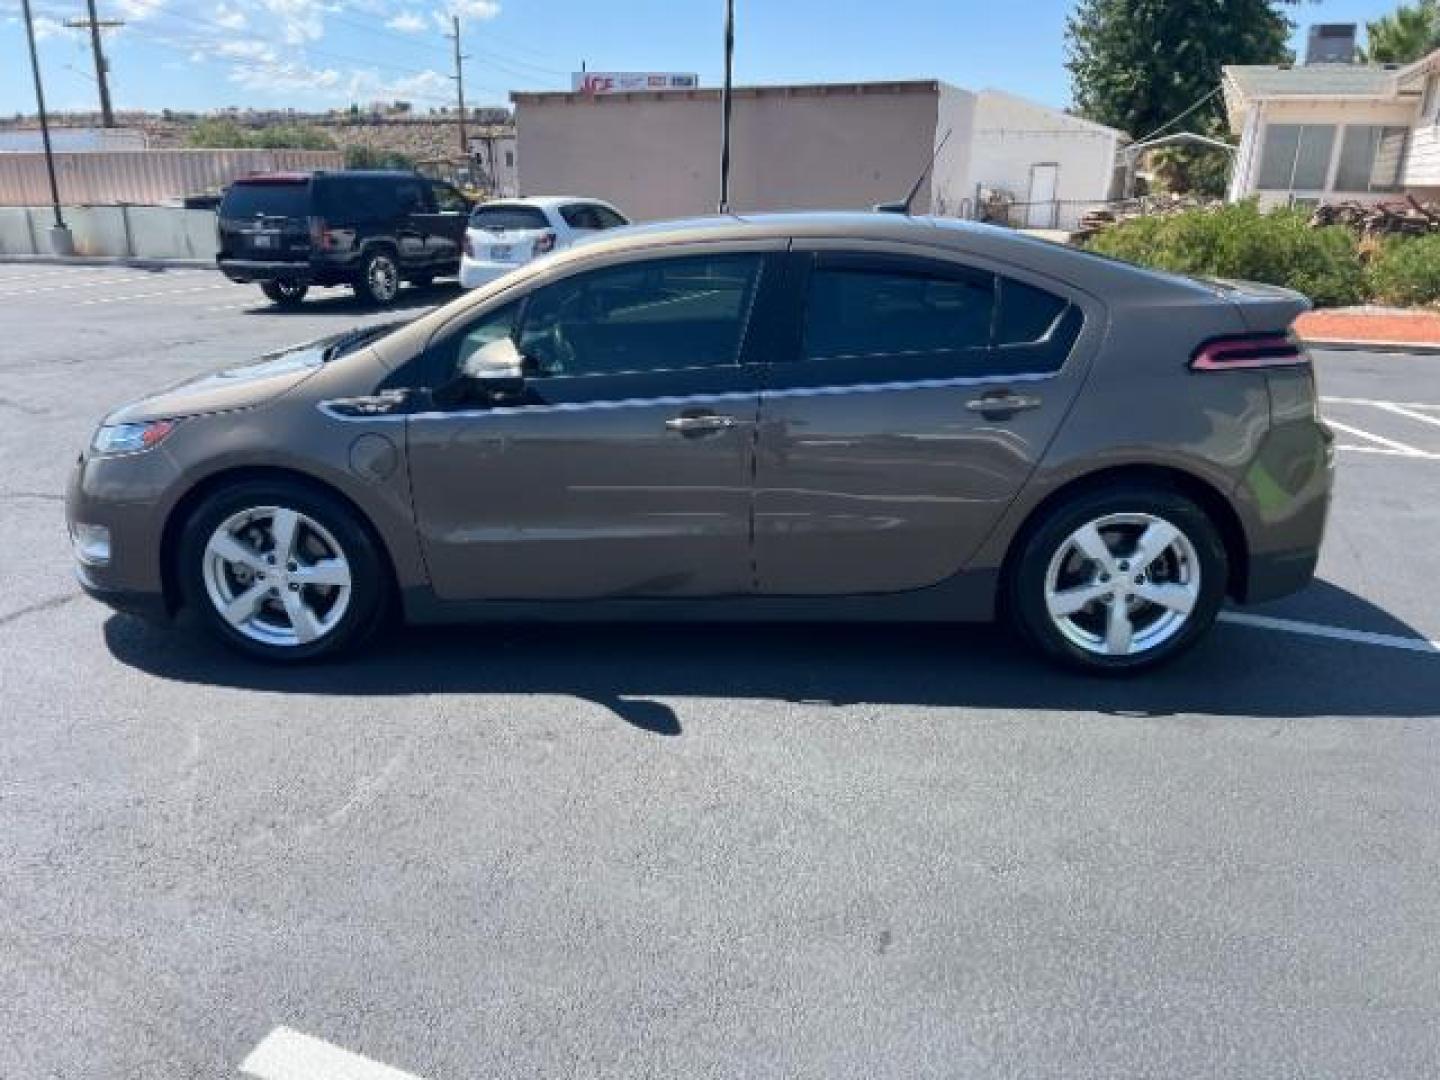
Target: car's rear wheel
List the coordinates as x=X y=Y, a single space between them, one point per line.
x=284 y=293
x=1119 y=579
x=379 y=280
x=282 y=571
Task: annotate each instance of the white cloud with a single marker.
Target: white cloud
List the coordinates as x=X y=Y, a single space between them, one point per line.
x=255 y=51
x=46 y=27
x=300 y=20
x=283 y=77
x=367 y=86
x=139 y=10
x=407 y=22
x=230 y=18
x=474 y=9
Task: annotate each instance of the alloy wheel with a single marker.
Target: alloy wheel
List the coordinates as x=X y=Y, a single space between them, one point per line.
x=383 y=278
x=277 y=576
x=1123 y=584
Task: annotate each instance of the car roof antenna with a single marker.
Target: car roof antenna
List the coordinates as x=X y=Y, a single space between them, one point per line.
x=904 y=207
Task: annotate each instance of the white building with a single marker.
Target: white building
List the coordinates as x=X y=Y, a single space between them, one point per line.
x=656 y=154
x=1335 y=132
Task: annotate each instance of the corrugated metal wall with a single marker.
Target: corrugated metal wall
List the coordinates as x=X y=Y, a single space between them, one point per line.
x=143 y=176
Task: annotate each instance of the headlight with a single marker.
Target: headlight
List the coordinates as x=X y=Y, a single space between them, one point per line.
x=131 y=438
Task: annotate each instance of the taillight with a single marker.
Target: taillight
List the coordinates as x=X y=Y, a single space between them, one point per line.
x=544 y=242
x=1240 y=351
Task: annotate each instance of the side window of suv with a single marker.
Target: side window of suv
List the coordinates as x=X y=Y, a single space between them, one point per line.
x=853 y=312
x=658 y=315
x=580 y=216
x=608 y=218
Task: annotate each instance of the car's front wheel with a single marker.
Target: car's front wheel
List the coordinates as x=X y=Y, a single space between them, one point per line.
x=282 y=571
x=379 y=280
x=1120 y=579
x=284 y=293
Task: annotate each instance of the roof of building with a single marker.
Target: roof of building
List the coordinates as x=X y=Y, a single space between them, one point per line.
x=710 y=93
x=1313 y=80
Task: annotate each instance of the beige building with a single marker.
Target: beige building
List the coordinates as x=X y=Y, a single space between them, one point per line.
x=657 y=154
x=1331 y=132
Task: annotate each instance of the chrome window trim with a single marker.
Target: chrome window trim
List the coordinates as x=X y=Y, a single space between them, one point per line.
x=696 y=399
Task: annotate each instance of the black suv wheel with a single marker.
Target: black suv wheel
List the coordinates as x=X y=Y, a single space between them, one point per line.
x=284 y=293
x=379 y=281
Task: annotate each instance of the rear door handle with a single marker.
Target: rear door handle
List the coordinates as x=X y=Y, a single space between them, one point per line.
x=700 y=423
x=1002 y=403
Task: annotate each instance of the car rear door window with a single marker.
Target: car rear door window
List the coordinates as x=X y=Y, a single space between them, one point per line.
x=502 y=217
x=1026 y=313
x=860 y=312
x=658 y=315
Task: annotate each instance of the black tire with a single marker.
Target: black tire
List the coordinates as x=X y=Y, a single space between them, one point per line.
x=379 y=282
x=284 y=293
x=369 y=577
x=1049 y=538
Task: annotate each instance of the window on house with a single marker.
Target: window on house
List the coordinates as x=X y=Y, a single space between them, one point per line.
x=1370 y=158
x=1296 y=157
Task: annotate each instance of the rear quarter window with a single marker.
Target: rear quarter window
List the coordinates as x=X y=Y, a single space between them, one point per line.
x=1026 y=313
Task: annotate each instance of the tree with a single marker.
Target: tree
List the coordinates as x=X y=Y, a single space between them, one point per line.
x=1406 y=34
x=1137 y=64
x=226 y=134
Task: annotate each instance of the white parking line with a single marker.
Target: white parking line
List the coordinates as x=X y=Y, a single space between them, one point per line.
x=1381 y=440
x=289 y=1055
x=1375 y=401
x=1408 y=413
x=80 y=283
x=150 y=295
x=1336 y=633
x=1422 y=455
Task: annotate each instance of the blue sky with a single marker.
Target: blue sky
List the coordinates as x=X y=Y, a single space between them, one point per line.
x=315 y=54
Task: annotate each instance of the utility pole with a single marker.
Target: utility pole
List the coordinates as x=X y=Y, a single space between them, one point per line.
x=60 y=239
x=102 y=68
x=459 y=78
x=725 y=108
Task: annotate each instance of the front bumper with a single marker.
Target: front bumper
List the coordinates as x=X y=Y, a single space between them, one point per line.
x=124 y=494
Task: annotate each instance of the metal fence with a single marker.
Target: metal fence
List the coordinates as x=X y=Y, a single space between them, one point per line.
x=145 y=177
x=1058 y=214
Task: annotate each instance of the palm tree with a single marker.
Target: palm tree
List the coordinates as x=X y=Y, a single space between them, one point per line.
x=1407 y=34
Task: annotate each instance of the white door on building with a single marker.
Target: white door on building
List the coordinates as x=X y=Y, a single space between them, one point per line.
x=1041 y=210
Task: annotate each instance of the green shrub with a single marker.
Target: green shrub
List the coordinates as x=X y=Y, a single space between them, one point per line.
x=367 y=157
x=223 y=133
x=1407 y=271
x=1238 y=241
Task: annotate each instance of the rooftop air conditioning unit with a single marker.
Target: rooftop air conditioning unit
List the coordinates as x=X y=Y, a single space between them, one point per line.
x=1331 y=43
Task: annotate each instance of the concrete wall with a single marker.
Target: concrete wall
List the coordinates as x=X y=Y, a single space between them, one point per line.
x=657 y=155
x=951 y=193
x=151 y=232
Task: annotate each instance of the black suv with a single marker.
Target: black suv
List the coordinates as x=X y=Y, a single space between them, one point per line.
x=368 y=230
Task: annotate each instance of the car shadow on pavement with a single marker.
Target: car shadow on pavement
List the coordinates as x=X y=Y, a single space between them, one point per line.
x=1237 y=671
x=343 y=302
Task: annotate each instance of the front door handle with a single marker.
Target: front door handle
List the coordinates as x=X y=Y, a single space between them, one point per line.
x=700 y=423
x=1002 y=403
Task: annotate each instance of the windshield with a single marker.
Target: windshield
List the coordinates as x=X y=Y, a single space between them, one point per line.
x=497 y=217
x=268 y=200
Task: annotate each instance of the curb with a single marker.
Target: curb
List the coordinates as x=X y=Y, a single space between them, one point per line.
x=108 y=260
x=1417 y=348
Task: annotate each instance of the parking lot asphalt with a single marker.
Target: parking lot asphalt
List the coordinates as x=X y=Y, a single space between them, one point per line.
x=726 y=851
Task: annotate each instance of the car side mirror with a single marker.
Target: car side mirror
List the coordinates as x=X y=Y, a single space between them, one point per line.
x=497 y=370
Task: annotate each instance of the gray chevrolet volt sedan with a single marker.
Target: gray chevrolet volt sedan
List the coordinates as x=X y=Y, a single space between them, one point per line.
x=795 y=416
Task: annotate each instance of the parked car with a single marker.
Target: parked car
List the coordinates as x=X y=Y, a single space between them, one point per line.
x=508 y=233
x=796 y=417
x=368 y=230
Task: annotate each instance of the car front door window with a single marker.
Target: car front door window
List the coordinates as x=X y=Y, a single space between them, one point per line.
x=661 y=315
